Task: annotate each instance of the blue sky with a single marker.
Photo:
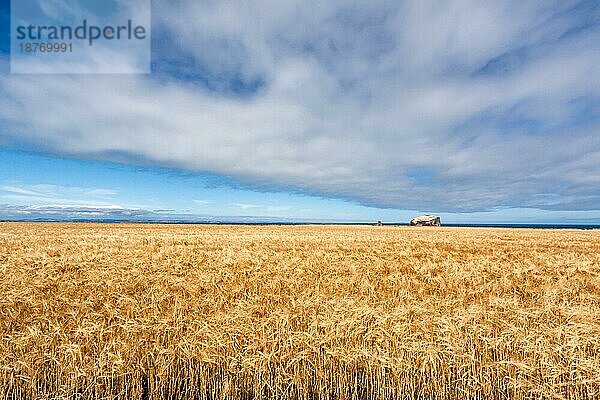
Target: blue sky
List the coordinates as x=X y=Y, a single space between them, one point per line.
x=304 y=111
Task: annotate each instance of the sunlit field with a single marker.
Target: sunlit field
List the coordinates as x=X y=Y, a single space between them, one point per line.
x=90 y=311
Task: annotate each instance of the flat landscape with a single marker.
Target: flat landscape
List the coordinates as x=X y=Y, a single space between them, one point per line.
x=91 y=311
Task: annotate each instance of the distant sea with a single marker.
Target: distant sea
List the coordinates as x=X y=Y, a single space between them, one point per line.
x=259 y=221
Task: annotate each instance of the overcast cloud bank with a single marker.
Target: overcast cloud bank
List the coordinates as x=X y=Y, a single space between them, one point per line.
x=456 y=106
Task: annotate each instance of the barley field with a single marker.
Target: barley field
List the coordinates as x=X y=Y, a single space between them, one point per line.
x=132 y=311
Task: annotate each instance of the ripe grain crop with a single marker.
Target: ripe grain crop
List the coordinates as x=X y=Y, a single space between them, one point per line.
x=91 y=311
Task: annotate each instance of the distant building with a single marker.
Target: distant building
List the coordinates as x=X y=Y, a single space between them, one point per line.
x=426 y=220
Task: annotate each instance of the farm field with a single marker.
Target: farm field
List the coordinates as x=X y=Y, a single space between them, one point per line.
x=103 y=311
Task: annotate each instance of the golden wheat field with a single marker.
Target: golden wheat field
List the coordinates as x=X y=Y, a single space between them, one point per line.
x=100 y=311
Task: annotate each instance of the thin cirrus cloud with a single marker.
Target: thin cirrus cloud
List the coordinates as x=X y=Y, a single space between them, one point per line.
x=46 y=194
x=461 y=106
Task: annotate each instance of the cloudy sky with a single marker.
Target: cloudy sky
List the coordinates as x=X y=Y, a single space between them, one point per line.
x=312 y=110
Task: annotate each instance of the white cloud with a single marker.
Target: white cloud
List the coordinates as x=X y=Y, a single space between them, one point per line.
x=246 y=207
x=66 y=212
x=458 y=106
